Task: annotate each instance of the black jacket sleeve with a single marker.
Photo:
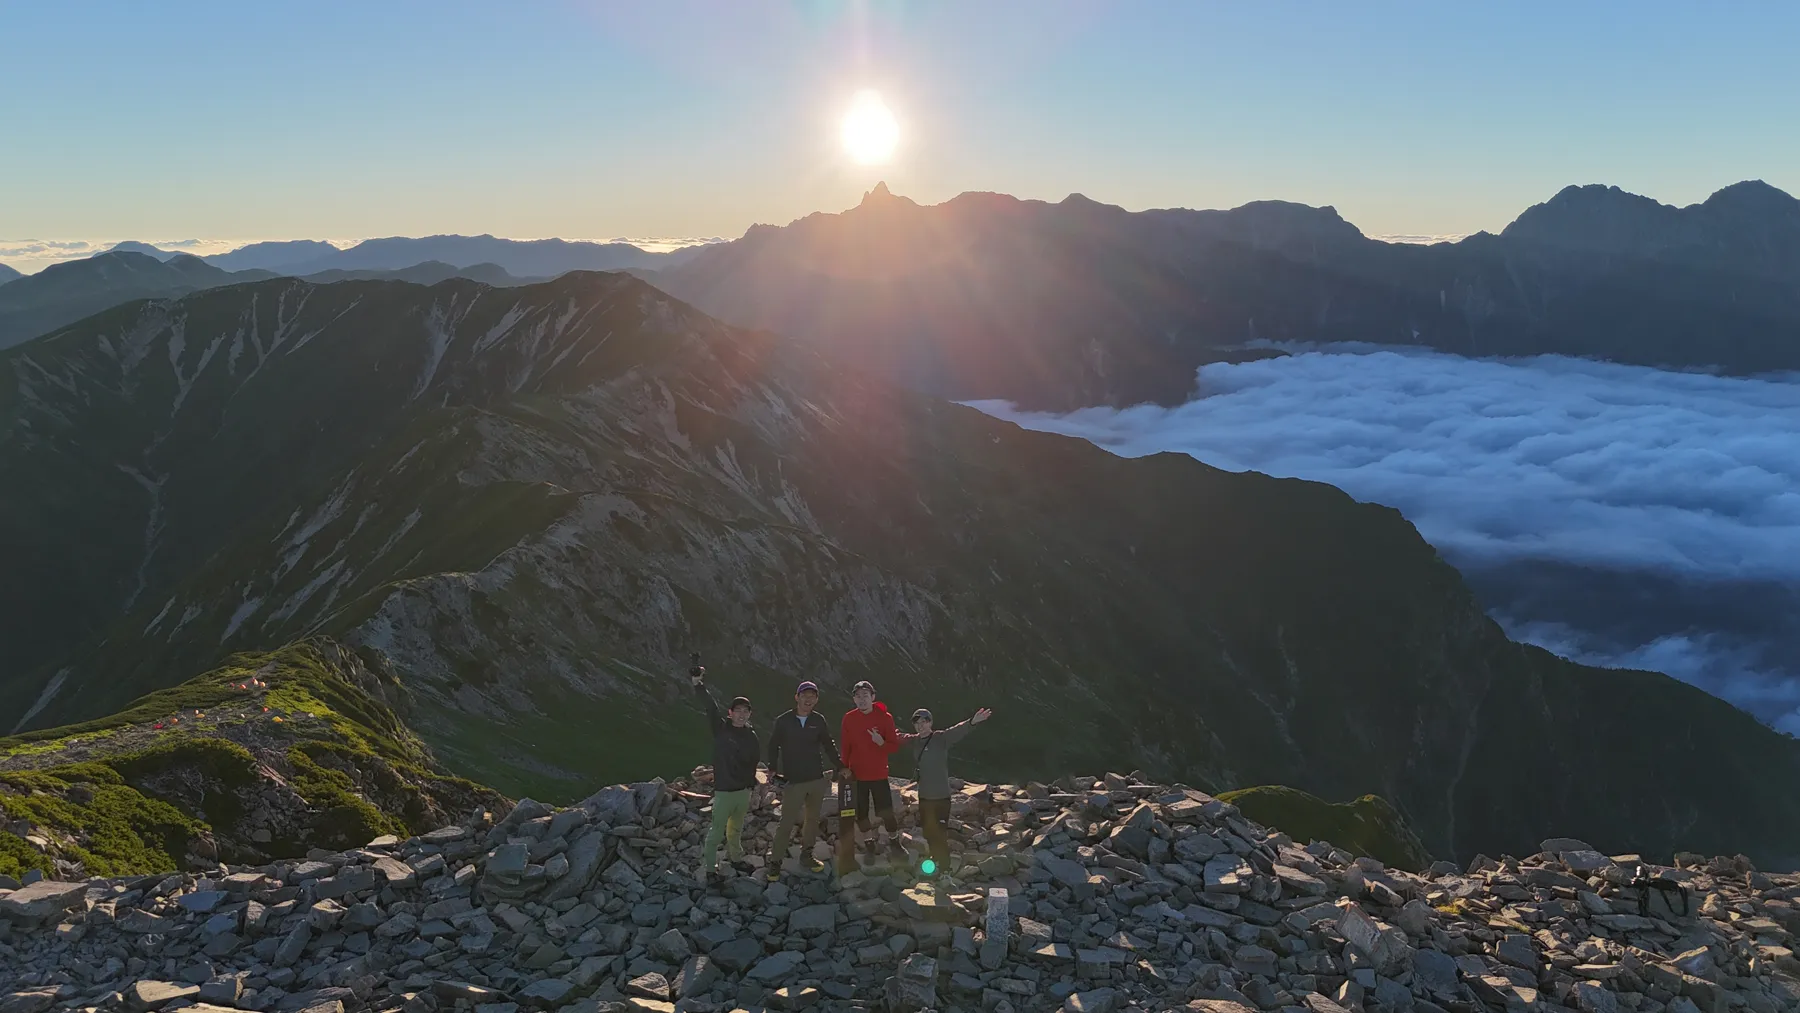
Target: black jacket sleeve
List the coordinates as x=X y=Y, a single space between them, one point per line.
x=776 y=733
x=828 y=748
x=713 y=718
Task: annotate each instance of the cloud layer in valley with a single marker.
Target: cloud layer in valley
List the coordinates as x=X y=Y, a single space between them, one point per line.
x=1680 y=481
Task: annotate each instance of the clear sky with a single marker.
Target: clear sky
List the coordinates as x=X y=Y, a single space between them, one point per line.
x=673 y=118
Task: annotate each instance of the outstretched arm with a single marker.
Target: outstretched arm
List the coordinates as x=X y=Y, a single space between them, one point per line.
x=713 y=716
x=890 y=739
x=967 y=725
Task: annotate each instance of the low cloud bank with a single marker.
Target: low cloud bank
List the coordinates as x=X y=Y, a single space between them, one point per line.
x=1503 y=463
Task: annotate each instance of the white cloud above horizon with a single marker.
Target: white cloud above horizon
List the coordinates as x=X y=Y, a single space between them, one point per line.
x=1497 y=462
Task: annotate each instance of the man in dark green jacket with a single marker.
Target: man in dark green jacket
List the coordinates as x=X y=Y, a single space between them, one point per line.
x=735 y=753
x=931 y=749
x=801 y=757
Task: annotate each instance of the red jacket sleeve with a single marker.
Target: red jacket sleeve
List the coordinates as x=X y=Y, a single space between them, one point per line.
x=890 y=739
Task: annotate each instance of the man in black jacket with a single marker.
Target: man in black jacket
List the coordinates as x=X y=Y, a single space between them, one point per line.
x=801 y=757
x=735 y=752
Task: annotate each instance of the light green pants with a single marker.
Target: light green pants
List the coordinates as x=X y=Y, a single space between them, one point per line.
x=728 y=811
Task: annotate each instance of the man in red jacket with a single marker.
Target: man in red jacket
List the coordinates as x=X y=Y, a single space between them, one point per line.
x=866 y=738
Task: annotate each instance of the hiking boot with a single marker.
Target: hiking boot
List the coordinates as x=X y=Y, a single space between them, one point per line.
x=812 y=864
x=773 y=872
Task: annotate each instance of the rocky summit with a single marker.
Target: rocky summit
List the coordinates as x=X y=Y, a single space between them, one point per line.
x=1100 y=895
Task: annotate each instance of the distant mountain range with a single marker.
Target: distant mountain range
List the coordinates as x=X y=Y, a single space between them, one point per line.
x=525 y=258
x=521 y=507
x=64 y=293
x=8 y=274
x=1059 y=306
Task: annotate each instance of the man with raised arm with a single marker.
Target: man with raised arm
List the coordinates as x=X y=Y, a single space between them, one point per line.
x=735 y=755
x=931 y=748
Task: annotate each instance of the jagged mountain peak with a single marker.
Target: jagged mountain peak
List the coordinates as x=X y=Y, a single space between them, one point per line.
x=880 y=199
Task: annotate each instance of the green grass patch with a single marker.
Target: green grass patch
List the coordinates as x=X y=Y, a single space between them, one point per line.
x=346 y=820
x=1367 y=826
x=353 y=762
x=122 y=830
x=17 y=856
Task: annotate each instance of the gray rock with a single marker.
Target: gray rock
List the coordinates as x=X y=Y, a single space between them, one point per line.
x=293 y=945
x=219 y=924
x=148 y=995
x=651 y=986
x=1583 y=862
x=28 y=1002
x=591 y=970
x=614 y=806
x=1593 y=998
x=223 y=991
x=41 y=901
x=548 y=993
x=813 y=919
x=914 y=986
x=508 y=860
x=1517 y=950
x=1557 y=845
x=1435 y=970
x=1073 y=875
x=1099 y=1000
x=774 y=968
x=585 y=856
x=1385 y=946
x=202 y=901
x=325 y=915
x=144 y=923
x=1255 y=960
x=671 y=946
x=696 y=977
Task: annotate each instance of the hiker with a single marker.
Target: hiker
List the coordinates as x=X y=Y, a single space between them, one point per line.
x=735 y=754
x=867 y=738
x=932 y=751
x=801 y=756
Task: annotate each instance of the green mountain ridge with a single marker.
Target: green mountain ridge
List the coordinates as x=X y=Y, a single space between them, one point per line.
x=268 y=756
x=525 y=505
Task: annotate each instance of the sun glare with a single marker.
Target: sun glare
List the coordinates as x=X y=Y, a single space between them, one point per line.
x=870 y=132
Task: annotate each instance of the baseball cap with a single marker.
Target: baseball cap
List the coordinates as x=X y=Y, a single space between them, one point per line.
x=921 y=714
x=739 y=701
x=865 y=684
x=807 y=687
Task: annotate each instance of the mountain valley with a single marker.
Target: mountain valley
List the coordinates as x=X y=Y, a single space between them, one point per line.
x=521 y=506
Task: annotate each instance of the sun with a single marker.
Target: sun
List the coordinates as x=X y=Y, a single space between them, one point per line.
x=869 y=131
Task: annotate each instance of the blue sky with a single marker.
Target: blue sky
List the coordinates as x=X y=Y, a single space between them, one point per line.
x=259 y=120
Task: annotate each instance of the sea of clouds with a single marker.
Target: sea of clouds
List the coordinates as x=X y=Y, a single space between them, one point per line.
x=1659 y=491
